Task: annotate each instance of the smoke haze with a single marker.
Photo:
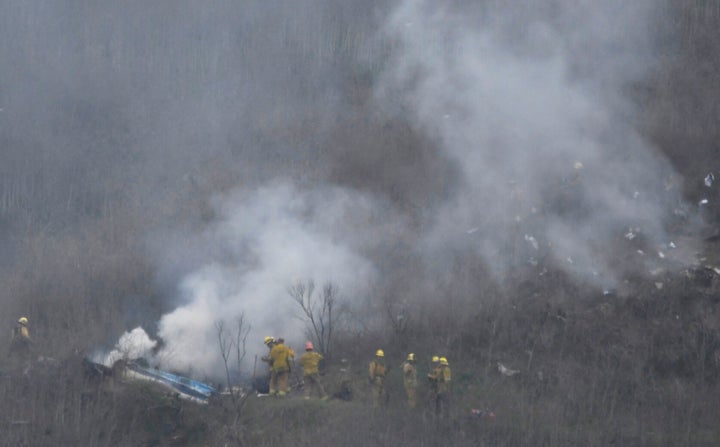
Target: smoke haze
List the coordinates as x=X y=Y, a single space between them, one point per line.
x=240 y=147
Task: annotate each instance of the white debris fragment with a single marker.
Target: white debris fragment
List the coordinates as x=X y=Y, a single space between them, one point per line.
x=606 y=292
x=659 y=285
x=640 y=252
x=518 y=219
x=532 y=241
x=656 y=272
x=672 y=244
x=505 y=371
x=569 y=259
x=709 y=179
x=661 y=255
x=636 y=194
x=472 y=230
x=544 y=270
x=703 y=202
x=578 y=165
x=630 y=235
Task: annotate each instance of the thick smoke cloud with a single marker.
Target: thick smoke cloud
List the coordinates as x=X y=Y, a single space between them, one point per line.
x=530 y=101
x=267 y=239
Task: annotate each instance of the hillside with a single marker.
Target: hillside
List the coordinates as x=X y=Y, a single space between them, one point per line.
x=532 y=186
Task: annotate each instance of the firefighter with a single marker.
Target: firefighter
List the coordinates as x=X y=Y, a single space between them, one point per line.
x=280 y=358
x=440 y=376
x=21 y=341
x=269 y=342
x=376 y=375
x=310 y=361
x=410 y=380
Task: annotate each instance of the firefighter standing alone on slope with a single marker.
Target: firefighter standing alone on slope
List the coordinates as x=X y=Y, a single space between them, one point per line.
x=376 y=375
x=21 y=341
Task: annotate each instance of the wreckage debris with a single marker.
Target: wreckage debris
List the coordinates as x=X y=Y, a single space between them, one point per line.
x=505 y=371
x=482 y=414
x=532 y=241
x=709 y=179
x=183 y=387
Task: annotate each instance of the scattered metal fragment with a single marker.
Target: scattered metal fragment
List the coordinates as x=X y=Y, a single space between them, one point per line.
x=709 y=179
x=532 y=241
x=505 y=371
x=703 y=202
x=659 y=285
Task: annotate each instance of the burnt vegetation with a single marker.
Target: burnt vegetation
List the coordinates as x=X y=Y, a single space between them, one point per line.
x=81 y=197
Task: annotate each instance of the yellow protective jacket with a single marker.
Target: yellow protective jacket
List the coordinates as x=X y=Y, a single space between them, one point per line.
x=279 y=356
x=377 y=369
x=441 y=376
x=444 y=379
x=409 y=374
x=21 y=332
x=310 y=361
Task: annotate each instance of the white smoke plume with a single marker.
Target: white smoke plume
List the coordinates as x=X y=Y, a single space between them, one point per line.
x=530 y=101
x=266 y=239
x=132 y=345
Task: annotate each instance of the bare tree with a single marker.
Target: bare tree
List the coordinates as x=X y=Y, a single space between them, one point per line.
x=320 y=313
x=399 y=317
x=242 y=329
x=225 y=343
x=228 y=341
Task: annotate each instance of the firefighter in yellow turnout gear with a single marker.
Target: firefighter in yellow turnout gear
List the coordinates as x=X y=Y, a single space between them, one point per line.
x=280 y=368
x=269 y=342
x=410 y=380
x=21 y=342
x=376 y=375
x=310 y=362
x=440 y=378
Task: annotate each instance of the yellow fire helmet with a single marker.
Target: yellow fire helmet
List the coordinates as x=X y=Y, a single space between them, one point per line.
x=443 y=361
x=435 y=359
x=23 y=320
x=268 y=340
x=379 y=353
x=411 y=357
